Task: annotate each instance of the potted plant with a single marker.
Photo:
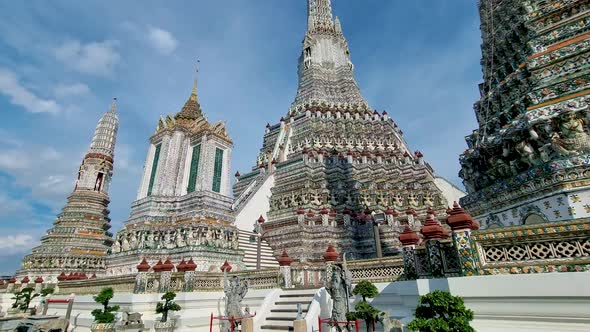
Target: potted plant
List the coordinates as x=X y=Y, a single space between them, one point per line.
x=104 y=318
x=164 y=324
x=441 y=311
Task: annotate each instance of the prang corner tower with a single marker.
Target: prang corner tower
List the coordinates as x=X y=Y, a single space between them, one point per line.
x=332 y=164
x=79 y=240
x=528 y=162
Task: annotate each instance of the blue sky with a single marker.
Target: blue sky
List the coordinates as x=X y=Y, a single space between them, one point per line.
x=61 y=62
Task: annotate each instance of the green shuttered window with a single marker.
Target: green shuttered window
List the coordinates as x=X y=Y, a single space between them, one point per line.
x=217 y=170
x=192 y=179
x=154 y=169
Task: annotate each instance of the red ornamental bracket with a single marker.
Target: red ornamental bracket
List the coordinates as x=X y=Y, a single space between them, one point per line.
x=232 y=320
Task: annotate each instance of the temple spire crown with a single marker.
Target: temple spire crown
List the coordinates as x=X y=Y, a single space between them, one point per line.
x=319 y=12
x=105 y=135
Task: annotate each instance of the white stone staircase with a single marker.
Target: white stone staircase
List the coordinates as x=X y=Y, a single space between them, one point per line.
x=284 y=310
x=247 y=241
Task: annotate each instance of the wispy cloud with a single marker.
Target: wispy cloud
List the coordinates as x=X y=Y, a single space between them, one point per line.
x=162 y=40
x=69 y=90
x=97 y=58
x=23 y=97
x=13 y=244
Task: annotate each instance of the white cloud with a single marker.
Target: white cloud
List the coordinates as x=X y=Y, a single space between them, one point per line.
x=50 y=187
x=21 y=96
x=97 y=58
x=67 y=90
x=12 y=207
x=12 y=244
x=162 y=40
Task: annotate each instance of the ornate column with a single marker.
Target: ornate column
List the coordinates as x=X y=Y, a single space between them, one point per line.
x=301 y=216
x=141 y=276
x=189 y=275
x=433 y=232
x=409 y=240
x=25 y=282
x=11 y=285
x=285 y=267
x=330 y=256
x=462 y=224
x=38 y=285
x=166 y=276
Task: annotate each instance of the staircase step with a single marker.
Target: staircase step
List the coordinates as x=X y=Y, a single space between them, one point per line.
x=287 y=310
x=276 y=328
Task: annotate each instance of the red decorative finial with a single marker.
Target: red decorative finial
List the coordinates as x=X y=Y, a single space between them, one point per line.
x=408 y=237
x=190 y=266
x=331 y=255
x=261 y=220
x=432 y=229
x=226 y=267
x=284 y=259
x=167 y=266
x=238 y=174
x=181 y=266
x=144 y=266
x=459 y=219
x=158 y=266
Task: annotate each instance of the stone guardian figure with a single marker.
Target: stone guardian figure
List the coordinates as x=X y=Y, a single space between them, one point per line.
x=235 y=291
x=339 y=286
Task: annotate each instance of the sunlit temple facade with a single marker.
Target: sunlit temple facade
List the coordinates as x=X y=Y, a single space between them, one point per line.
x=333 y=170
x=528 y=160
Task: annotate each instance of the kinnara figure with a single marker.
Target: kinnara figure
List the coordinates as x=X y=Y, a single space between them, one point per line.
x=339 y=286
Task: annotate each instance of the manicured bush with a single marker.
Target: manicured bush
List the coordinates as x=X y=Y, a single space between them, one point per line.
x=168 y=305
x=364 y=310
x=441 y=312
x=104 y=315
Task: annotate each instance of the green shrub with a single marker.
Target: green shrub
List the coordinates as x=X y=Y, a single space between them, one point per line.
x=104 y=315
x=441 y=312
x=363 y=310
x=366 y=289
x=168 y=305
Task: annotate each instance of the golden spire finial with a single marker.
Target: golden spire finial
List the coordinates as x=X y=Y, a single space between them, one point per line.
x=114 y=104
x=194 y=92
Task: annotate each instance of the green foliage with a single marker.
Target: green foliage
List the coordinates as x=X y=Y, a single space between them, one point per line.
x=351 y=316
x=366 y=289
x=47 y=291
x=441 y=312
x=168 y=305
x=104 y=315
x=366 y=312
x=22 y=299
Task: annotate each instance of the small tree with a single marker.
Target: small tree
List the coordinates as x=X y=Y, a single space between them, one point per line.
x=22 y=299
x=441 y=312
x=104 y=315
x=168 y=305
x=366 y=289
x=363 y=310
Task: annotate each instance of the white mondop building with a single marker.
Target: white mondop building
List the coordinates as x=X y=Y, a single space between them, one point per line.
x=183 y=207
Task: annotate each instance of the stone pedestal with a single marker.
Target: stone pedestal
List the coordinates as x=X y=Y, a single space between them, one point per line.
x=300 y=326
x=248 y=324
